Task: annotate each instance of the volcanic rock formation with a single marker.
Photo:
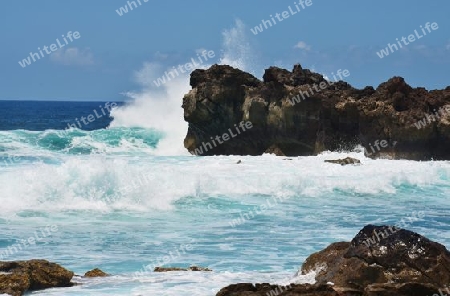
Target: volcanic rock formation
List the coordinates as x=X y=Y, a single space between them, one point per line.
x=379 y=261
x=290 y=117
x=18 y=277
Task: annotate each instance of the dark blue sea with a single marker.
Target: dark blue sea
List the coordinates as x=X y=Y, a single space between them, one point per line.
x=56 y=115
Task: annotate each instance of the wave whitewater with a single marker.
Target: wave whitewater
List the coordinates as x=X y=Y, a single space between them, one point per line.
x=122 y=180
x=76 y=142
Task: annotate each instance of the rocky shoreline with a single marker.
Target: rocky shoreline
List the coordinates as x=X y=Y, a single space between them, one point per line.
x=299 y=113
x=379 y=261
x=19 y=277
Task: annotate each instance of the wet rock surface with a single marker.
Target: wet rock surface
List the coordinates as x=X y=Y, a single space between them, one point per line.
x=19 y=277
x=379 y=261
x=344 y=161
x=96 y=273
x=192 y=268
x=267 y=289
x=383 y=254
x=407 y=289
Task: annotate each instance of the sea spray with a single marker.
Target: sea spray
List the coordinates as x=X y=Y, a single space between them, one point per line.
x=160 y=107
x=238 y=51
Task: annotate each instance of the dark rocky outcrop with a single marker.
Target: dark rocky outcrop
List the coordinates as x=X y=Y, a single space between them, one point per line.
x=96 y=273
x=18 y=277
x=379 y=261
x=192 y=268
x=274 y=150
x=344 y=161
x=336 y=117
x=381 y=255
x=408 y=289
x=268 y=289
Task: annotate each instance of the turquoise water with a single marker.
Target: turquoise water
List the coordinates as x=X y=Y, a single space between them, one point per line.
x=118 y=206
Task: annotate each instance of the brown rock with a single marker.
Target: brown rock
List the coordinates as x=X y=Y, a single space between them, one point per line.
x=96 y=273
x=337 y=117
x=192 y=268
x=406 y=289
x=382 y=255
x=268 y=289
x=14 y=284
x=275 y=150
x=379 y=261
x=345 y=161
x=197 y=268
x=166 y=269
x=19 y=277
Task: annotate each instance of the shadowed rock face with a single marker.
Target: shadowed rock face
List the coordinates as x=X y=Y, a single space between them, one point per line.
x=337 y=117
x=19 y=277
x=408 y=289
x=267 y=289
x=382 y=254
x=379 y=261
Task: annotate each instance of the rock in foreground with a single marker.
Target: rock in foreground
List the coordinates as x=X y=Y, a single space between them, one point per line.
x=382 y=255
x=18 y=277
x=268 y=289
x=408 y=289
x=379 y=261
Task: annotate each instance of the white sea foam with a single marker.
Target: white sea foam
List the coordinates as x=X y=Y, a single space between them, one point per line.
x=99 y=182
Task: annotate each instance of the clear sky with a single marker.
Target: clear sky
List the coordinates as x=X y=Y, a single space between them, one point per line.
x=326 y=36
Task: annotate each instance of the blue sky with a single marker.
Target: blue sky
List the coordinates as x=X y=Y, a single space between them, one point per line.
x=329 y=35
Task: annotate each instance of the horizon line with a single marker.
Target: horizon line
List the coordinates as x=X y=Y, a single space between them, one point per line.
x=55 y=100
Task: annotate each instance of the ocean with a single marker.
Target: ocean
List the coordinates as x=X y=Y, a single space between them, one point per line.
x=104 y=195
